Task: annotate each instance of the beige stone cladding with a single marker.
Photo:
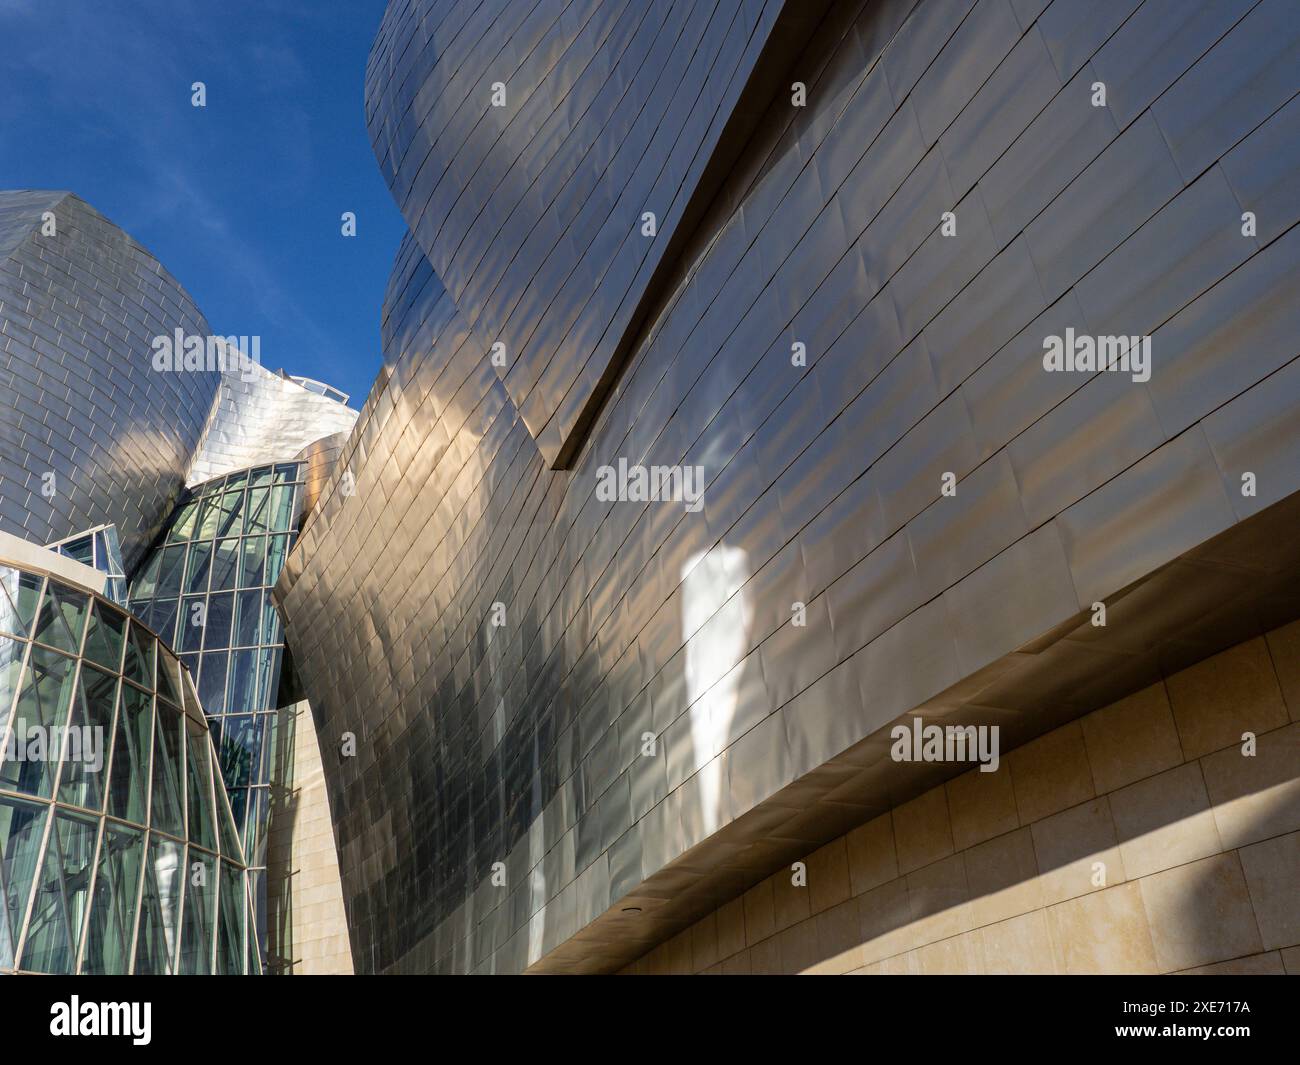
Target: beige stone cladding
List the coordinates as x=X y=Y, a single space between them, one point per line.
x=1150 y=836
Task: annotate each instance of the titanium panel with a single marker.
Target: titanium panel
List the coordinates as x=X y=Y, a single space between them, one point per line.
x=611 y=697
x=90 y=433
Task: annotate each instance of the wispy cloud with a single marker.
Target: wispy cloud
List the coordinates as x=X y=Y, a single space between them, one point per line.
x=133 y=102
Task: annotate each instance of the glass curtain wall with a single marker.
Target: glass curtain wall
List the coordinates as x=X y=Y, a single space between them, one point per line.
x=99 y=549
x=207 y=588
x=118 y=852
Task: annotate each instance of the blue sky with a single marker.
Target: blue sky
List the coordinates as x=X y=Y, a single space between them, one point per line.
x=240 y=200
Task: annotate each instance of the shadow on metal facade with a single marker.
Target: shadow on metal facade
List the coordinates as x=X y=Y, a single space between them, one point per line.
x=565 y=706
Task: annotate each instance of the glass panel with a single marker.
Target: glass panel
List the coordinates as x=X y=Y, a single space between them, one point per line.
x=112 y=910
x=138 y=663
x=22 y=827
x=169 y=679
x=165 y=811
x=115 y=590
x=207 y=520
x=200 y=895
x=62 y=617
x=183 y=527
x=196 y=572
x=225 y=564
x=156 y=943
x=248 y=626
x=111 y=546
x=216 y=628
x=230 y=921
x=270 y=621
x=282 y=508
x=268 y=678
x=279 y=545
x=11 y=668
x=238 y=799
x=260 y=476
x=255 y=827
x=80 y=550
x=104 y=637
x=144 y=586
x=85 y=754
x=242 y=697
x=193 y=615
x=286 y=471
x=161 y=617
x=62 y=892
x=232 y=506
x=19 y=594
x=212 y=682
x=199 y=793
x=171 y=571
x=240 y=751
x=129 y=775
x=226 y=826
x=257 y=906
x=254 y=564
x=257 y=515
x=236 y=480
x=280 y=743
x=44 y=701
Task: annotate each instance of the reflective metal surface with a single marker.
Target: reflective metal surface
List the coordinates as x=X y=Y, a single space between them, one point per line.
x=566 y=706
x=96 y=442
x=260 y=416
x=526 y=145
x=90 y=434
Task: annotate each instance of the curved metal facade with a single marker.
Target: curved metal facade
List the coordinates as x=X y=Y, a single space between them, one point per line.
x=90 y=433
x=568 y=706
x=524 y=143
x=259 y=416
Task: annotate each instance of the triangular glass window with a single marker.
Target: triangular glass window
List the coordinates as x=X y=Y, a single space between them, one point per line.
x=200 y=896
x=138 y=664
x=112 y=911
x=171 y=571
x=43 y=703
x=256 y=903
x=22 y=829
x=86 y=747
x=202 y=828
x=183 y=527
x=104 y=637
x=230 y=922
x=11 y=669
x=62 y=617
x=62 y=894
x=160 y=908
x=165 y=813
x=128 y=782
x=226 y=825
x=19 y=595
x=225 y=564
x=232 y=504
x=168 y=683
